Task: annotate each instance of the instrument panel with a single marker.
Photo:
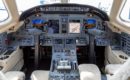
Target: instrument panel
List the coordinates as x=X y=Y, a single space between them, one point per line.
x=73 y=21
x=69 y=24
x=125 y=43
x=68 y=20
x=61 y=24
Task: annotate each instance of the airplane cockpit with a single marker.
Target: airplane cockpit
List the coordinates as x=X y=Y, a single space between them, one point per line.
x=64 y=41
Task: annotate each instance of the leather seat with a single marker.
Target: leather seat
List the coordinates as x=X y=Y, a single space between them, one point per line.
x=15 y=75
x=40 y=75
x=112 y=68
x=89 y=72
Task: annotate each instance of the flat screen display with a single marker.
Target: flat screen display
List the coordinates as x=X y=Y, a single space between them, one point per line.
x=38 y=23
x=74 y=27
x=70 y=41
x=53 y=26
x=58 y=41
x=90 y=23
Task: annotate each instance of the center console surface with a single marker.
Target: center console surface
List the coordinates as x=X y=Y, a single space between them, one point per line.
x=64 y=64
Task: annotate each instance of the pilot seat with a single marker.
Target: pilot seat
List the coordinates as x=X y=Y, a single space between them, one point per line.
x=40 y=75
x=12 y=75
x=89 y=72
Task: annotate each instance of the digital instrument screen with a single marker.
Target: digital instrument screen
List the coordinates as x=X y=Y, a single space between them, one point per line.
x=58 y=41
x=38 y=22
x=70 y=41
x=90 y=23
x=53 y=26
x=74 y=27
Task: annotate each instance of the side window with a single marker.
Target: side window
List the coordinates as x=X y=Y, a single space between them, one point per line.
x=125 y=13
x=3 y=12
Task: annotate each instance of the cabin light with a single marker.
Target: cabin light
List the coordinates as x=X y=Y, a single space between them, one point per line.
x=1 y=67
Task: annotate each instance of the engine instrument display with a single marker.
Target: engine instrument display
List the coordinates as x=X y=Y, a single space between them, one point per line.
x=53 y=26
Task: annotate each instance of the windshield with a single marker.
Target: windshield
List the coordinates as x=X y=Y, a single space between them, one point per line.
x=104 y=5
x=125 y=13
x=3 y=12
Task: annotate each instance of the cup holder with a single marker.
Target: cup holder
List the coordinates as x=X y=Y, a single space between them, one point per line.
x=123 y=57
x=3 y=57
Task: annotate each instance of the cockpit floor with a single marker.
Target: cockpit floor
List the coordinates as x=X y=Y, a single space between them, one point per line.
x=44 y=64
